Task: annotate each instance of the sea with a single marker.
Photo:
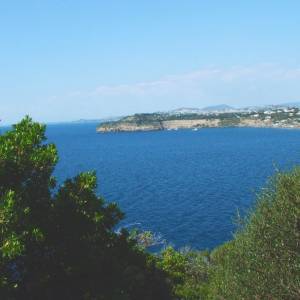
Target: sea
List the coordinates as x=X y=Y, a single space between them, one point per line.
x=185 y=186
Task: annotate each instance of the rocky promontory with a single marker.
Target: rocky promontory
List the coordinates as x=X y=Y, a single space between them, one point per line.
x=277 y=117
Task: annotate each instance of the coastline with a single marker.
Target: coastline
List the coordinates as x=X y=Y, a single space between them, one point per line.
x=194 y=128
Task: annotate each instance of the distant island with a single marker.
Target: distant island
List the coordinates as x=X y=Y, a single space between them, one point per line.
x=279 y=116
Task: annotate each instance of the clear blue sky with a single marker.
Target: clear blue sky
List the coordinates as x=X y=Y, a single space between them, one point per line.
x=66 y=60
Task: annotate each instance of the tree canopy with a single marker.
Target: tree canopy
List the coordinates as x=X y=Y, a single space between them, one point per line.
x=59 y=241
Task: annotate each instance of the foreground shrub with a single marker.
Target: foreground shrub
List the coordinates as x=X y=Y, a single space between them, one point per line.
x=263 y=260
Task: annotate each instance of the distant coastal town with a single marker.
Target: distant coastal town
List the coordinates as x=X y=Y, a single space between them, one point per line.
x=273 y=116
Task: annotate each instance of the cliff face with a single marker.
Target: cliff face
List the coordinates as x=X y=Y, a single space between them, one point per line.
x=256 y=123
x=173 y=124
x=129 y=127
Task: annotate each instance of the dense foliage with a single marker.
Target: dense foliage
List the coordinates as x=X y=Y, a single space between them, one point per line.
x=59 y=242
x=188 y=271
x=263 y=260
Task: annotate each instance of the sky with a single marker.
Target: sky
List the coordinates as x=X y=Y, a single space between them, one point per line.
x=70 y=60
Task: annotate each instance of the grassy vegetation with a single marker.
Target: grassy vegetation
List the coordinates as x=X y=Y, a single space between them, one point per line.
x=263 y=260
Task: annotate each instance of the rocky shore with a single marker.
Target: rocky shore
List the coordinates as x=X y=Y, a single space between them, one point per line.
x=163 y=125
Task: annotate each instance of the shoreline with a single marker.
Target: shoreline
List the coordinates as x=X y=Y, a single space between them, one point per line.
x=193 y=129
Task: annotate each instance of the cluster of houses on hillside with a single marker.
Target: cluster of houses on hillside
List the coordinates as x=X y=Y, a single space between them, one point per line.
x=279 y=116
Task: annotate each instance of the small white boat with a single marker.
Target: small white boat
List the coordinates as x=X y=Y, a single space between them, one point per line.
x=195 y=129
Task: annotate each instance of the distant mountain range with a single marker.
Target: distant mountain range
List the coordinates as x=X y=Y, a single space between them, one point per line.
x=84 y=121
x=214 y=108
x=221 y=108
x=224 y=108
x=291 y=104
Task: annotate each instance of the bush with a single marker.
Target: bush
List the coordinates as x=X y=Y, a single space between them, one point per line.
x=188 y=272
x=263 y=260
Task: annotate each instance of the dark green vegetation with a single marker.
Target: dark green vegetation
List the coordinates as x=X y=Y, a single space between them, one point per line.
x=59 y=242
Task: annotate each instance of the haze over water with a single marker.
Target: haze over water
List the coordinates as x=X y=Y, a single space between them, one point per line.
x=185 y=185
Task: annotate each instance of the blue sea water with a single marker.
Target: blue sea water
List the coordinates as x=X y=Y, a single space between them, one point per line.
x=186 y=185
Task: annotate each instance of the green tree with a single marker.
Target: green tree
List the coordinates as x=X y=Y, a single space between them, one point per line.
x=59 y=242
